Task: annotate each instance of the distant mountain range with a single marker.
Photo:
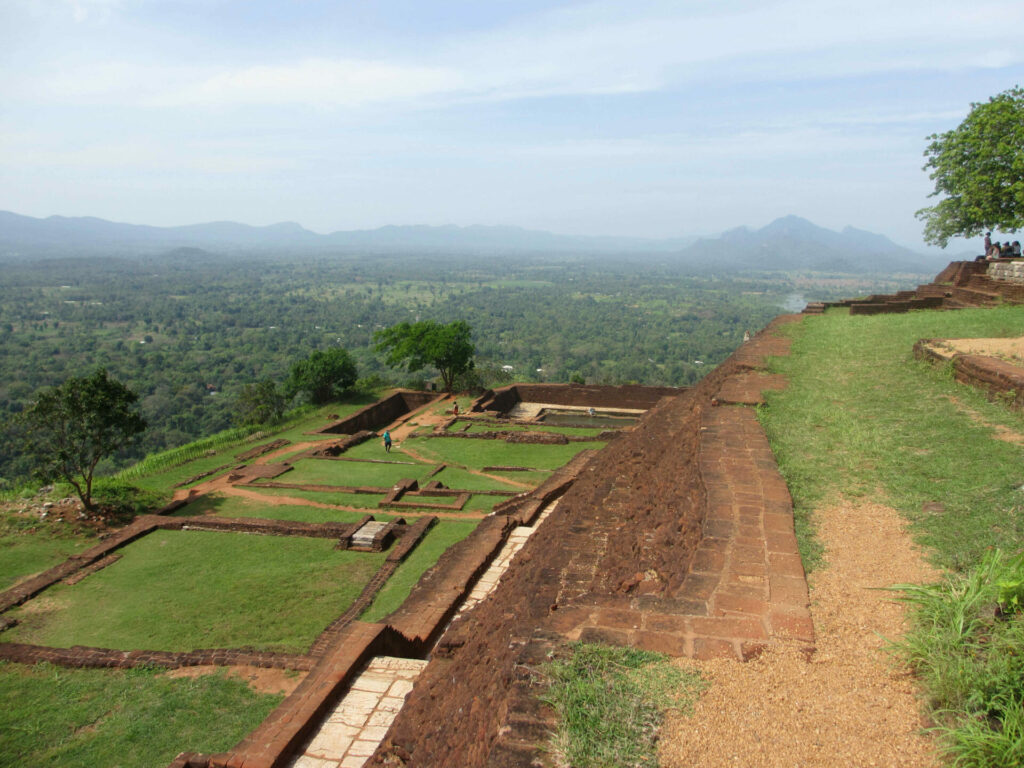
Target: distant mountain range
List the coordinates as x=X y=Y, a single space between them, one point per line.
x=789 y=243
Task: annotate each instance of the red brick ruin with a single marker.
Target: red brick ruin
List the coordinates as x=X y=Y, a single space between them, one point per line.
x=676 y=537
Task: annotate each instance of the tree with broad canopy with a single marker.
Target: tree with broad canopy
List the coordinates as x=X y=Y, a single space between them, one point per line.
x=979 y=167
x=70 y=428
x=449 y=348
x=323 y=376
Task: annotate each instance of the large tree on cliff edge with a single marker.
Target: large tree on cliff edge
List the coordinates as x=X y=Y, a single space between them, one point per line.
x=979 y=167
x=449 y=348
x=70 y=428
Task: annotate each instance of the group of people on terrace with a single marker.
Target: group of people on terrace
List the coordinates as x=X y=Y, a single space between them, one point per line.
x=997 y=251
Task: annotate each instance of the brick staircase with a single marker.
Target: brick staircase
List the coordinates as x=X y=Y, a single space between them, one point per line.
x=961 y=285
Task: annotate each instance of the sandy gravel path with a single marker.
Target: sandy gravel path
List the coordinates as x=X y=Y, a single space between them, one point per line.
x=849 y=704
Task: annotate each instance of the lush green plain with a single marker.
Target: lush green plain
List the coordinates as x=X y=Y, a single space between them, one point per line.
x=84 y=718
x=187 y=334
x=180 y=591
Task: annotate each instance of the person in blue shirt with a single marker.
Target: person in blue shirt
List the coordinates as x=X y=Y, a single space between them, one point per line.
x=387 y=442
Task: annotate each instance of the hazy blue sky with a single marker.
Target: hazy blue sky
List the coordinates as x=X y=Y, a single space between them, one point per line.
x=636 y=117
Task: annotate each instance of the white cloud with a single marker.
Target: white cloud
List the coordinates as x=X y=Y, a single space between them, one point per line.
x=319 y=82
x=599 y=48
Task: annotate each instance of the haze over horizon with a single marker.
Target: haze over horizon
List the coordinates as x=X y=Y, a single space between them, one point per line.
x=654 y=120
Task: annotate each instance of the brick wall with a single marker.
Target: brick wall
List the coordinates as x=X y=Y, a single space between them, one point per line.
x=381 y=413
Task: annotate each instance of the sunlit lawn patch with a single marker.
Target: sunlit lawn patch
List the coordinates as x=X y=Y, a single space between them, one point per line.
x=861 y=417
x=454 y=477
x=185 y=590
x=481 y=453
x=352 y=473
x=444 y=534
x=78 y=718
x=27 y=549
x=611 y=702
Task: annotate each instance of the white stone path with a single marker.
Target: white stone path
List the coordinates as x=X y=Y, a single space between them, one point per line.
x=352 y=732
x=488 y=582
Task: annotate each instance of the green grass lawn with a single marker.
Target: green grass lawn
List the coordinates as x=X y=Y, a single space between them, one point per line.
x=353 y=473
x=481 y=453
x=373 y=449
x=444 y=534
x=480 y=503
x=367 y=500
x=530 y=478
x=611 y=701
x=584 y=431
x=454 y=477
x=862 y=419
x=236 y=506
x=180 y=591
x=82 y=718
x=30 y=546
x=166 y=481
x=295 y=430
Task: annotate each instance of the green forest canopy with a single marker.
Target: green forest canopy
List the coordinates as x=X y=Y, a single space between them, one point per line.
x=187 y=335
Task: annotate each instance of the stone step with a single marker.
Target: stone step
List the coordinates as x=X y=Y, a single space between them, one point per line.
x=364 y=536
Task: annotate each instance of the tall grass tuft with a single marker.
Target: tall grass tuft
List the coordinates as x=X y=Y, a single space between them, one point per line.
x=967 y=644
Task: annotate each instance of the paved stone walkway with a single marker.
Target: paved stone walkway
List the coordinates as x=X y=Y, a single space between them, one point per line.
x=351 y=733
x=488 y=582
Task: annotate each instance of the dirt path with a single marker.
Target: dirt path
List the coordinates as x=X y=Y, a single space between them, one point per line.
x=849 y=704
x=1011 y=349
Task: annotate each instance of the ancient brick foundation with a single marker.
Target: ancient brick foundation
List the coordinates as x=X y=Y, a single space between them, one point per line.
x=1001 y=380
x=381 y=413
x=625 y=396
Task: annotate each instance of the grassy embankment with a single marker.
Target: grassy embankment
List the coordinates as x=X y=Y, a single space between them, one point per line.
x=861 y=419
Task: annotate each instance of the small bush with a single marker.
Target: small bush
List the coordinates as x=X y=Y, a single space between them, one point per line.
x=124 y=501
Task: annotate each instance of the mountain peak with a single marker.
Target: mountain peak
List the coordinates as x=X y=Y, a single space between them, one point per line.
x=790 y=224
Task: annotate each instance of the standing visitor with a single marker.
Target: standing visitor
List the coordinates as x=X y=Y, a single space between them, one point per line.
x=988 y=242
x=387 y=442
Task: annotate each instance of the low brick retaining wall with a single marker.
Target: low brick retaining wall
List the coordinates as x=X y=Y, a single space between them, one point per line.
x=613 y=563
x=259 y=450
x=1001 y=380
x=110 y=658
x=381 y=413
x=625 y=396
